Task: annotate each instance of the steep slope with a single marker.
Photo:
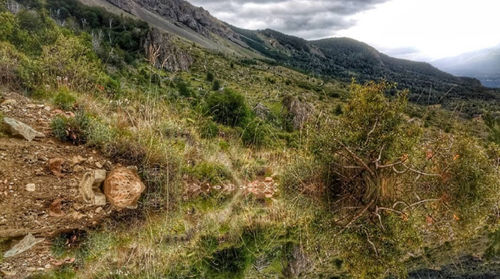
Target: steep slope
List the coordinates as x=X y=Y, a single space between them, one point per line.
x=338 y=58
x=180 y=18
x=483 y=65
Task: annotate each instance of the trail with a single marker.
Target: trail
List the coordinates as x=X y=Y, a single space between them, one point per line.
x=53 y=205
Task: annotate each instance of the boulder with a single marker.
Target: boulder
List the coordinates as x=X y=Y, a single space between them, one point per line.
x=18 y=128
x=90 y=187
x=123 y=187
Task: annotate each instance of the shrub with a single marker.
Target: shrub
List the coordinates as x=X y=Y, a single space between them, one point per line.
x=184 y=88
x=216 y=85
x=72 y=60
x=7 y=26
x=209 y=130
x=359 y=149
x=72 y=129
x=214 y=173
x=64 y=99
x=256 y=133
x=228 y=107
x=210 y=77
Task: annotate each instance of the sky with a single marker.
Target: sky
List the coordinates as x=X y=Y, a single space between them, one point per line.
x=413 y=29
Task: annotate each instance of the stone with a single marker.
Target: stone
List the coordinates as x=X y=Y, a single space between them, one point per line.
x=268 y=179
x=76 y=160
x=18 y=128
x=123 y=187
x=55 y=166
x=99 y=199
x=24 y=245
x=30 y=187
x=90 y=187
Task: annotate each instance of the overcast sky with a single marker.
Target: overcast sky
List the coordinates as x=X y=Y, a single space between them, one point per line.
x=414 y=29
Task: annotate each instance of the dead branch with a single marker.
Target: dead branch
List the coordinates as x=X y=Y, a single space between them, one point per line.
x=357 y=216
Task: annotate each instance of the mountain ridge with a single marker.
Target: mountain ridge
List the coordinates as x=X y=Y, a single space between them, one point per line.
x=338 y=58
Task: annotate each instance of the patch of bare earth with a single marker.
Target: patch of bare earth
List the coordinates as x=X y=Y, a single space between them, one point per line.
x=39 y=188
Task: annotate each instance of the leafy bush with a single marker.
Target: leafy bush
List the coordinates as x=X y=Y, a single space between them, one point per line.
x=71 y=60
x=493 y=124
x=210 y=77
x=370 y=136
x=256 y=132
x=216 y=85
x=214 y=173
x=228 y=107
x=184 y=88
x=64 y=99
x=72 y=129
x=209 y=130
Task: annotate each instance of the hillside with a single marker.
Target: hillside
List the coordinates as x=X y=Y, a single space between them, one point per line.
x=344 y=58
x=483 y=65
x=337 y=58
x=129 y=151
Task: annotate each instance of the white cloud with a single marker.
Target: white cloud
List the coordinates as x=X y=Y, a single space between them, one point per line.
x=414 y=29
x=432 y=28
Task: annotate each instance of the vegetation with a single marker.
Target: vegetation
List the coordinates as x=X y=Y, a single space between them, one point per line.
x=370 y=185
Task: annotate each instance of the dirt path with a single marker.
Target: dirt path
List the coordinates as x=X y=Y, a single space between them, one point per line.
x=32 y=198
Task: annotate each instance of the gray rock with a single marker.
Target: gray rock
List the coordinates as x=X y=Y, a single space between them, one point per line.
x=18 y=128
x=24 y=245
x=164 y=54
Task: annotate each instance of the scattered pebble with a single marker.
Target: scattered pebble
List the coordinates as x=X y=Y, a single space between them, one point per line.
x=30 y=187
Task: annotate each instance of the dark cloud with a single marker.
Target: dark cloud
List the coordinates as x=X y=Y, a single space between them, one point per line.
x=310 y=19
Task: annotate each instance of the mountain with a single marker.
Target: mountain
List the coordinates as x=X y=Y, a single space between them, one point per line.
x=483 y=65
x=345 y=58
x=338 y=58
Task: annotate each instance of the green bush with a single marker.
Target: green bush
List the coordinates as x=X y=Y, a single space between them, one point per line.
x=216 y=85
x=209 y=130
x=213 y=173
x=72 y=129
x=184 y=88
x=64 y=99
x=210 y=77
x=256 y=133
x=371 y=132
x=228 y=107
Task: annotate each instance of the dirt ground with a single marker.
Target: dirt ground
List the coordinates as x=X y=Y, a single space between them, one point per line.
x=32 y=198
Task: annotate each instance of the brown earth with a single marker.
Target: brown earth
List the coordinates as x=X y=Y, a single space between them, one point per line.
x=55 y=205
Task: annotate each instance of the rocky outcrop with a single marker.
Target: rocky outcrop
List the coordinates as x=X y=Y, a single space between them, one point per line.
x=180 y=11
x=163 y=54
x=123 y=187
x=298 y=111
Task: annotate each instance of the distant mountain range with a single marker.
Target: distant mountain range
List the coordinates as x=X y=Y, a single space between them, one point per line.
x=483 y=65
x=338 y=58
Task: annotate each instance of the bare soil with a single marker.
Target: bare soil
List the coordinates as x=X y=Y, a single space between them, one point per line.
x=55 y=205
